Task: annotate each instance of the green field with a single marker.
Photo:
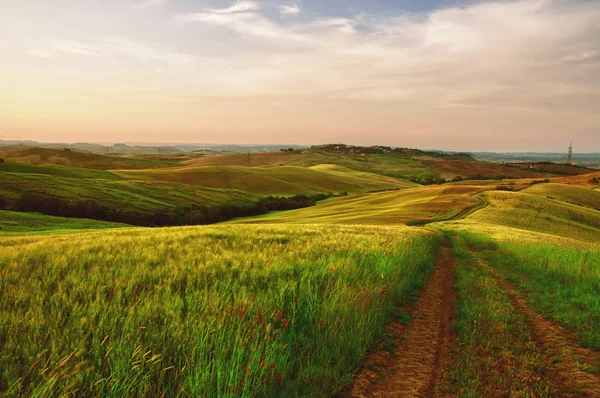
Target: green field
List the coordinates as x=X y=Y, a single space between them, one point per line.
x=139 y=196
x=394 y=207
x=55 y=170
x=224 y=310
x=18 y=222
x=272 y=180
x=538 y=213
x=295 y=303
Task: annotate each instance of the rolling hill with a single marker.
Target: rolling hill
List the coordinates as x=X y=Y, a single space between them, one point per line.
x=14 y=222
x=408 y=206
x=130 y=199
x=541 y=214
x=271 y=180
x=79 y=159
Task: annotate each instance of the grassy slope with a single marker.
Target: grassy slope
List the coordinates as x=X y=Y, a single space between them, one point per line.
x=209 y=311
x=394 y=207
x=62 y=171
x=280 y=180
x=583 y=196
x=122 y=194
x=80 y=159
x=18 y=222
x=559 y=276
x=537 y=213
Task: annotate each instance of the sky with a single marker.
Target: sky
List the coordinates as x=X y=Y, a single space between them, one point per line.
x=456 y=75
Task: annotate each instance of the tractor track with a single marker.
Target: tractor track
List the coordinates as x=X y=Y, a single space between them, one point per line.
x=561 y=347
x=423 y=348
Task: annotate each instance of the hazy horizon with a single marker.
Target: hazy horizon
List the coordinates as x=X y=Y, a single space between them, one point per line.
x=497 y=76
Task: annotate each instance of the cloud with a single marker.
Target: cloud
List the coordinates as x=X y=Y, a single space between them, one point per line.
x=150 y=3
x=110 y=47
x=239 y=6
x=74 y=47
x=39 y=53
x=289 y=9
x=461 y=56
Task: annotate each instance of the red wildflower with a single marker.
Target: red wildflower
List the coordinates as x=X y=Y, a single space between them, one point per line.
x=321 y=323
x=263 y=363
x=278 y=377
x=286 y=323
x=295 y=300
x=278 y=314
x=336 y=310
x=272 y=365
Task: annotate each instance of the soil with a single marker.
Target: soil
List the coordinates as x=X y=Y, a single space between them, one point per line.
x=423 y=348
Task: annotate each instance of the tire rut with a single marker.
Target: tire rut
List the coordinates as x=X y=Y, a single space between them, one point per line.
x=423 y=349
x=563 y=370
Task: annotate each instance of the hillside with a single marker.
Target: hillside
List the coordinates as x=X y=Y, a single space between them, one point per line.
x=134 y=202
x=406 y=206
x=79 y=159
x=56 y=170
x=19 y=222
x=279 y=180
x=541 y=214
x=578 y=195
x=420 y=166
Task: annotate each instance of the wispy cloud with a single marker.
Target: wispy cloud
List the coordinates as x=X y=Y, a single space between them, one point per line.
x=239 y=6
x=453 y=55
x=109 y=47
x=150 y=3
x=289 y=9
x=39 y=53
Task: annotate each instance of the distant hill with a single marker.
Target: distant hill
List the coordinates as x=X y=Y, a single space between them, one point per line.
x=267 y=180
x=79 y=159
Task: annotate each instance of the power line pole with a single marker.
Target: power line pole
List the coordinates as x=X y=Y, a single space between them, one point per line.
x=570 y=158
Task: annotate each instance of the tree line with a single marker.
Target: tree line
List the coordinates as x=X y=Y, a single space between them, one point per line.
x=178 y=215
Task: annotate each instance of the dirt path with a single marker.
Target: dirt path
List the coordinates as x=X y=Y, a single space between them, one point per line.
x=423 y=347
x=566 y=376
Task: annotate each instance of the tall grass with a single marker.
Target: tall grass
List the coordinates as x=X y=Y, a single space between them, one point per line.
x=561 y=281
x=496 y=356
x=201 y=311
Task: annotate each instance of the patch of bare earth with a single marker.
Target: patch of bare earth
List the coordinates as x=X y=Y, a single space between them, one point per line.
x=422 y=349
x=564 y=355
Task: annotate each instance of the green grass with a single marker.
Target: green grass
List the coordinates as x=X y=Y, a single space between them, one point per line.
x=560 y=277
x=18 y=222
x=271 y=180
x=209 y=311
x=139 y=196
x=382 y=208
x=62 y=171
x=495 y=356
x=560 y=281
x=578 y=195
x=540 y=214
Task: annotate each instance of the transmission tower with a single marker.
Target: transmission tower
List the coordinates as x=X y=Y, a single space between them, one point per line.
x=570 y=158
